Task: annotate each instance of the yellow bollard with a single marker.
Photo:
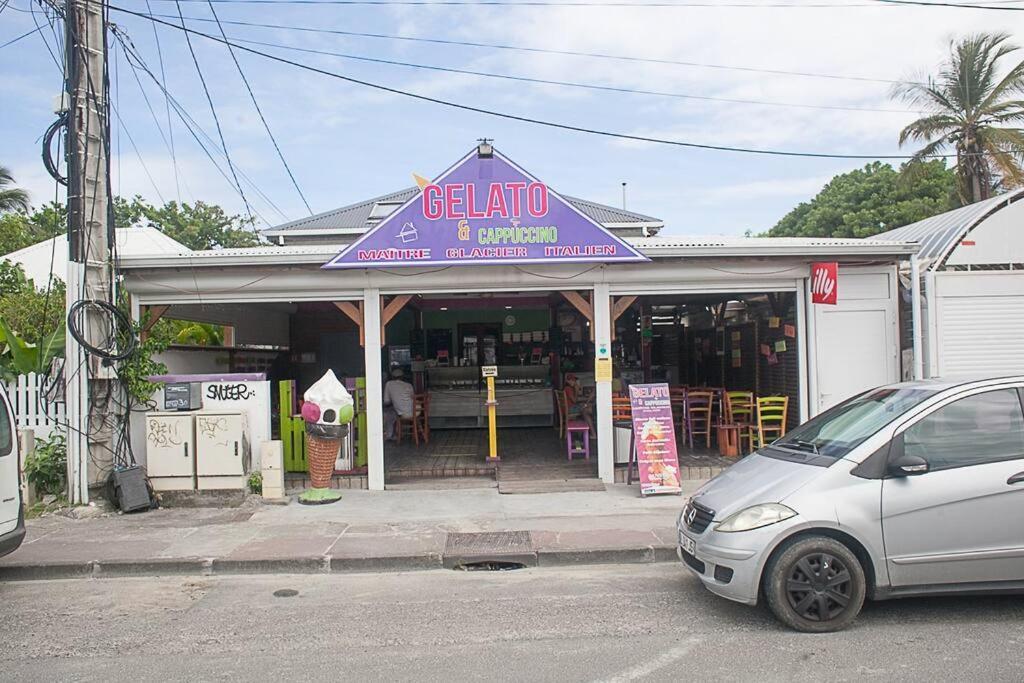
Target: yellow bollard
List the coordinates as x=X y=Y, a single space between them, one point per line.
x=492 y=423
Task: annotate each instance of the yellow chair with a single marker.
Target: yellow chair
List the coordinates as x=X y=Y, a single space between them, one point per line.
x=741 y=410
x=771 y=417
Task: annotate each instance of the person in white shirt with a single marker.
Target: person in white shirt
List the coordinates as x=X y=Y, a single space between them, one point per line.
x=398 y=402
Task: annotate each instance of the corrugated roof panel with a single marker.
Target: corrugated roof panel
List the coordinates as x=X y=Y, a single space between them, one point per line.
x=940 y=234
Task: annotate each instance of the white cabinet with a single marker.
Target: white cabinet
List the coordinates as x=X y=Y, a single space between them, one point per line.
x=170 y=451
x=222 y=450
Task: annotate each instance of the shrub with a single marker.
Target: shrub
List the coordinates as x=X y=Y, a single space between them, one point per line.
x=46 y=468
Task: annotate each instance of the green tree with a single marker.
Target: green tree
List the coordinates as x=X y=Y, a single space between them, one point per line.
x=974 y=111
x=871 y=200
x=31 y=314
x=199 y=226
x=11 y=198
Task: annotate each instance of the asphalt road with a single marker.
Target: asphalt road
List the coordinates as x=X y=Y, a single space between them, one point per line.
x=650 y=622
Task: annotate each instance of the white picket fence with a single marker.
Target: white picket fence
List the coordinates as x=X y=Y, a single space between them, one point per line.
x=31 y=409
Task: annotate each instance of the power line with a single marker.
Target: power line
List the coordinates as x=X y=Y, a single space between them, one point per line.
x=542 y=3
x=216 y=120
x=541 y=50
x=923 y=3
x=526 y=119
x=12 y=41
x=573 y=84
x=167 y=106
x=192 y=126
x=266 y=126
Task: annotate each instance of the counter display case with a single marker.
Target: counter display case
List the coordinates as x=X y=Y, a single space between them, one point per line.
x=458 y=397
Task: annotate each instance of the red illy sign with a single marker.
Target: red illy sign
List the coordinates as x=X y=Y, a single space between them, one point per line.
x=825 y=283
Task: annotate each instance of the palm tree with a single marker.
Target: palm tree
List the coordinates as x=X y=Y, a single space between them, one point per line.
x=14 y=198
x=970 y=109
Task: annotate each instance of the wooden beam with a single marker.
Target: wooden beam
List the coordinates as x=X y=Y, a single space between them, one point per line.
x=390 y=310
x=620 y=306
x=393 y=307
x=355 y=312
x=582 y=305
x=154 y=313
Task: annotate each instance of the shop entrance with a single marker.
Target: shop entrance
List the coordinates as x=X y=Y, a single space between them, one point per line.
x=438 y=344
x=725 y=356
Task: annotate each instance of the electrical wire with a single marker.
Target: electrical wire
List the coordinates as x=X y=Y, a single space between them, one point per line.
x=574 y=84
x=256 y=105
x=167 y=104
x=535 y=121
x=543 y=3
x=12 y=41
x=540 y=50
x=216 y=121
x=192 y=126
x=923 y=3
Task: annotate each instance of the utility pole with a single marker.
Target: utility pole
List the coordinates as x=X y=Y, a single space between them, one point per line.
x=90 y=234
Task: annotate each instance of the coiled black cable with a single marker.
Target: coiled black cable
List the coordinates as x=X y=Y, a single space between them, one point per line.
x=118 y=337
x=48 y=162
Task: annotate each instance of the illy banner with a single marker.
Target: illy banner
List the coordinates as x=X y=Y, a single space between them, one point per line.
x=825 y=283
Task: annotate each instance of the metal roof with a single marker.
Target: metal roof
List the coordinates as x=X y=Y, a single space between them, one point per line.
x=939 y=235
x=356 y=217
x=654 y=247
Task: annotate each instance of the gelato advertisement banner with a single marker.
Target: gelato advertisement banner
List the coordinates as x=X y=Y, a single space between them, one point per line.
x=656 y=455
x=485 y=210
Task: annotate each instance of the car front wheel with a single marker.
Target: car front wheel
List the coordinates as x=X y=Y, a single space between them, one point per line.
x=816 y=584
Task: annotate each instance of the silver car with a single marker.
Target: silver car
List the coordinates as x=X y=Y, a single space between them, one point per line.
x=910 y=489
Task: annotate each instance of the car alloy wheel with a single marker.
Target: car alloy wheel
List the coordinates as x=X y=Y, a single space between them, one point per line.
x=818 y=587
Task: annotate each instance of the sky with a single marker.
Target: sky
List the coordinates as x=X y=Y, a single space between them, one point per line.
x=347 y=142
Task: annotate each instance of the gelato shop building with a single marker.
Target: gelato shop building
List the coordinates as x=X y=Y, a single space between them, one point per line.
x=512 y=314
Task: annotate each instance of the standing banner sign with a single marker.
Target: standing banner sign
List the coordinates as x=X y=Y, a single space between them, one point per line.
x=825 y=283
x=655 y=438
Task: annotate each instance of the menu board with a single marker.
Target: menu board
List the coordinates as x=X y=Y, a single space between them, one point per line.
x=655 y=437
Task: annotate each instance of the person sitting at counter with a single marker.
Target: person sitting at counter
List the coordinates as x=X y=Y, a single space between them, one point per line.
x=398 y=402
x=578 y=404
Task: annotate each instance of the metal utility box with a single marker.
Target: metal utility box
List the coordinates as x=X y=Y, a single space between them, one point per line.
x=222 y=450
x=171 y=451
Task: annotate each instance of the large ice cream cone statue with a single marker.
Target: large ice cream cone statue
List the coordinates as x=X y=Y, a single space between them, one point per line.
x=327 y=411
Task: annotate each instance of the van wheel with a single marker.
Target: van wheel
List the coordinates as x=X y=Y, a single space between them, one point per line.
x=815 y=585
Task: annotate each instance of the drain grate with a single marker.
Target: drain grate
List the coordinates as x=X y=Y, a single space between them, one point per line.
x=499 y=547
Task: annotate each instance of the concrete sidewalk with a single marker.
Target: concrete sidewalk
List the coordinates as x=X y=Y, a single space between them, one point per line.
x=365 y=531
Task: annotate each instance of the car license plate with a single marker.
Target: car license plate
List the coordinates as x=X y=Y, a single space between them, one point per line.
x=688 y=544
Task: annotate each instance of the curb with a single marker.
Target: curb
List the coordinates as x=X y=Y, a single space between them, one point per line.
x=110 y=569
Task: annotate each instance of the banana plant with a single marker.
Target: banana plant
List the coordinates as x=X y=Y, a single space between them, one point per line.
x=26 y=357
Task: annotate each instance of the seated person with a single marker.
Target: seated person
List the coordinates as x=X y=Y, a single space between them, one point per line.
x=398 y=402
x=578 y=404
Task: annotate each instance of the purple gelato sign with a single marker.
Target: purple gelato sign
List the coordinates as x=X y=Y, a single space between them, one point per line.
x=485 y=210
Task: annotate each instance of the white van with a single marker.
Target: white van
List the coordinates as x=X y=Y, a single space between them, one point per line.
x=12 y=518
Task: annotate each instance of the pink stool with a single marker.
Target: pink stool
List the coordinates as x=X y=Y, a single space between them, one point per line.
x=580 y=427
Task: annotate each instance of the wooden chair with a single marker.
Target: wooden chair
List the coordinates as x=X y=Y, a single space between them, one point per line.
x=419 y=421
x=622 y=410
x=677 y=397
x=562 y=405
x=718 y=415
x=699 y=405
x=771 y=417
x=741 y=410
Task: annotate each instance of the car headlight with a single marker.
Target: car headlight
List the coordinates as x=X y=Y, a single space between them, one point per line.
x=755 y=517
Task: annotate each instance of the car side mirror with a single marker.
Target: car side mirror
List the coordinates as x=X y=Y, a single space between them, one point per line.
x=908 y=466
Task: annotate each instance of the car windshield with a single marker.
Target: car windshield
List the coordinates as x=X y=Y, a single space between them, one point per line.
x=839 y=430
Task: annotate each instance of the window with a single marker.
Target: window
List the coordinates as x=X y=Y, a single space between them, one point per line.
x=382 y=210
x=6 y=438
x=972 y=431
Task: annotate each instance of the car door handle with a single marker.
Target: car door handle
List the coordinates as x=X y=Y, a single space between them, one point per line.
x=1016 y=479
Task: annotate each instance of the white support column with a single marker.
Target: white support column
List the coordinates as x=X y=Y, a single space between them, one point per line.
x=931 y=299
x=802 y=310
x=603 y=399
x=374 y=389
x=808 y=342
x=915 y=316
